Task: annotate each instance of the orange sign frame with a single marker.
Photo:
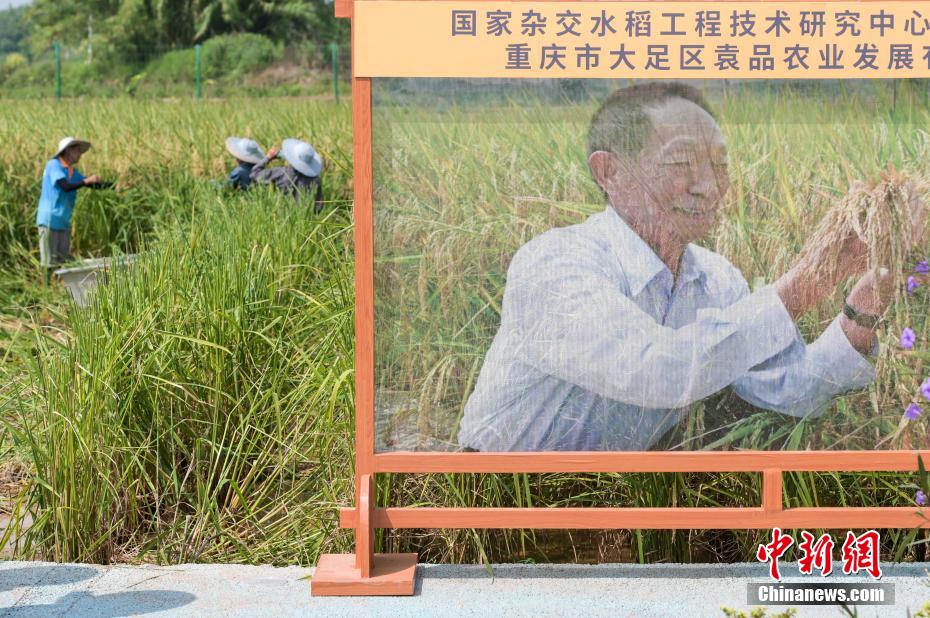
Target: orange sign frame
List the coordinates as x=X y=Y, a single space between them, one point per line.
x=367 y=573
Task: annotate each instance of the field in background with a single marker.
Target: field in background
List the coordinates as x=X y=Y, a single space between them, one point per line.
x=202 y=408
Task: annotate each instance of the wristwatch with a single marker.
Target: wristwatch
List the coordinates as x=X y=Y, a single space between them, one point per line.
x=862 y=319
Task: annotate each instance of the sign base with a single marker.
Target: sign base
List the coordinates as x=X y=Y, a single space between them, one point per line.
x=391 y=575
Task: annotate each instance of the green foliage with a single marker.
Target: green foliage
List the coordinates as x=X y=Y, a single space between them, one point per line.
x=13 y=30
x=279 y=19
x=236 y=54
x=13 y=62
x=174 y=66
x=132 y=29
x=144 y=47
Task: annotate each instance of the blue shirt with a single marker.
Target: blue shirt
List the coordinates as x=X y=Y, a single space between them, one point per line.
x=56 y=205
x=240 y=176
x=599 y=348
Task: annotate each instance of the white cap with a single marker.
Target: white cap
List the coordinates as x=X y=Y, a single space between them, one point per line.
x=302 y=157
x=245 y=149
x=71 y=141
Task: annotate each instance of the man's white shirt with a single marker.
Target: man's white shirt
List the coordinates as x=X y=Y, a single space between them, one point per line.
x=600 y=349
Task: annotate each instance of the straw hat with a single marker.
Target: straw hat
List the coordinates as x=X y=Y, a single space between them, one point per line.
x=71 y=141
x=302 y=157
x=245 y=149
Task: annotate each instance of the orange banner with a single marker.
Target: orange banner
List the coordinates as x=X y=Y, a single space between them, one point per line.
x=681 y=40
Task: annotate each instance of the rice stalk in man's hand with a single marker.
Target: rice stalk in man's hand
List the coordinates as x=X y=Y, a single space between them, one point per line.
x=881 y=214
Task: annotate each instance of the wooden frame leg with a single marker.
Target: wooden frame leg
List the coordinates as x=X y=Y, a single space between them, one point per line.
x=364 y=573
x=772 y=500
x=364 y=532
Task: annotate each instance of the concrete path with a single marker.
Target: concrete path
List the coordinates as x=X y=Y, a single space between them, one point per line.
x=43 y=589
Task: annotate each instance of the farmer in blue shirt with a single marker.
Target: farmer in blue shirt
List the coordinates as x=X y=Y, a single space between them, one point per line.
x=247 y=153
x=60 y=183
x=611 y=329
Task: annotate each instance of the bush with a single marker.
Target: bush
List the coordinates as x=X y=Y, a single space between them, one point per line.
x=233 y=55
x=12 y=62
x=174 y=66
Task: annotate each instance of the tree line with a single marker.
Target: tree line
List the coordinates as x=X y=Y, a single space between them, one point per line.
x=130 y=29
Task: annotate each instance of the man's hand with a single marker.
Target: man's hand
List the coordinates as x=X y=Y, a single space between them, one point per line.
x=808 y=282
x=816 y=274
x=870 y=296
x=92 y=180
x=273 y=152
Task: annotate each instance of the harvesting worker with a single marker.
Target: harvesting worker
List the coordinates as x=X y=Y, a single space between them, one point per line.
x=612 y=328
x=247 y=153
x=300 y=178
x=60 y=184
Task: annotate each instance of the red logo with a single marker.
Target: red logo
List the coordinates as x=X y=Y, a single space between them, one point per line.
x=860 y=553
x=774 y=550
x=817 y=555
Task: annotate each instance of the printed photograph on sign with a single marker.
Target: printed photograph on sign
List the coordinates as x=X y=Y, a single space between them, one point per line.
x=620 y=265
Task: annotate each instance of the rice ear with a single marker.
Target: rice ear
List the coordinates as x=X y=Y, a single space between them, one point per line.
x=879 y=213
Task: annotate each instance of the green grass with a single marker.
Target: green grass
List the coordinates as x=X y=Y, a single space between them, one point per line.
x=202 y=408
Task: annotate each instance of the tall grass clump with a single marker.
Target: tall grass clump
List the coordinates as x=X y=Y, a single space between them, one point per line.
x=200 y=409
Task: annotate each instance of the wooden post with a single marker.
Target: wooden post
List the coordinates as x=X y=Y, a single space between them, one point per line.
x=364 y=531
x=364 y=573
x=772 y=491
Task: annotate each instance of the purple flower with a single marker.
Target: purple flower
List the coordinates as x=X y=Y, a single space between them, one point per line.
x=920 y=498
x=925 y=389
x=922 y=267
x=912 y=412
x=908 y=338
x=912 y=284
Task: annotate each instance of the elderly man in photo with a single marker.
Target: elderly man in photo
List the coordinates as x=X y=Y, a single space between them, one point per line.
x=612 y=328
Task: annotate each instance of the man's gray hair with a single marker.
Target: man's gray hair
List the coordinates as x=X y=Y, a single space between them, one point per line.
x=621 y=125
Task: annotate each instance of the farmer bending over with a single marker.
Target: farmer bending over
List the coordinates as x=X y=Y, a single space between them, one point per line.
x=301 y=177
x=60 y=183
x=612 y=328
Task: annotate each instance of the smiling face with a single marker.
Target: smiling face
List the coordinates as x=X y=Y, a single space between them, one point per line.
x=677 y=181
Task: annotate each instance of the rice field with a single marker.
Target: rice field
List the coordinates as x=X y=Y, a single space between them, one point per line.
x=202 y=408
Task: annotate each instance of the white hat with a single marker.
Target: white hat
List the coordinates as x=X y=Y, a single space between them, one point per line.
x=302 y=157
x=245 y=149
x=71 y=141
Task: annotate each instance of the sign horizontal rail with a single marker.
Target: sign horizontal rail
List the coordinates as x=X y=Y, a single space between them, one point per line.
x=599 y=518
x=651 y=461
